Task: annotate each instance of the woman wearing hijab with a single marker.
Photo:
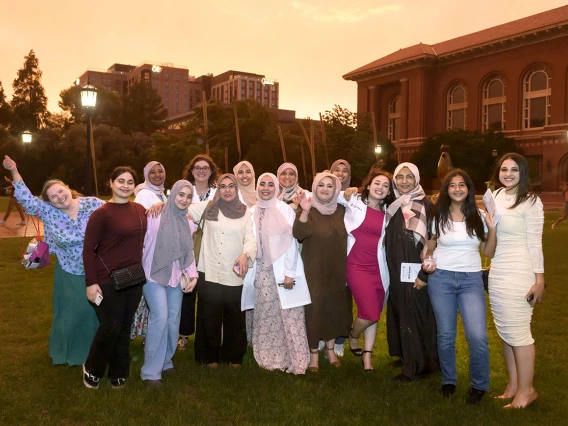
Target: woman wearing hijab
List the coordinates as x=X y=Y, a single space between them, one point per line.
x=148 y=193
x=342 y=169
x=227 y=247
x=168 y=254
x=288 y=180
x=319 y=225
x=276 y=285
x=411 y=326
x=244 y=172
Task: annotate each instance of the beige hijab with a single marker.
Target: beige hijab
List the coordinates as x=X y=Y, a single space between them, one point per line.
x=248 y=192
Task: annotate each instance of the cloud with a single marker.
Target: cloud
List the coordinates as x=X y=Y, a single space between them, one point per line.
x=342 y=11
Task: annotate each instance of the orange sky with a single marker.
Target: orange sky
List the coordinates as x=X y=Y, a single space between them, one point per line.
x=306 y=44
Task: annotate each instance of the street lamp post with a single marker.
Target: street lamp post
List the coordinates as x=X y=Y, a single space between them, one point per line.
x=26 y=140
x=88 y=101
x=378 y=151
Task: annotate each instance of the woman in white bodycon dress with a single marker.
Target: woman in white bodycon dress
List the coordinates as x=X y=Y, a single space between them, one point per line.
x=516 y=280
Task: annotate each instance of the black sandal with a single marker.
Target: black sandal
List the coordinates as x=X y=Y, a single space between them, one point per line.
x=367 y=370
x=354 y=351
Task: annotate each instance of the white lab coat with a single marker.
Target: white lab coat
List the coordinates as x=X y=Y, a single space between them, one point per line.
x=289 y=264
x=355 y=211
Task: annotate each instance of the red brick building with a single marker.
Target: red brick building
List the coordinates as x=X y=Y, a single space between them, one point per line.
x=512 y=77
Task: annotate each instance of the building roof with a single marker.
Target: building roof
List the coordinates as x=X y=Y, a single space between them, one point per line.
x=540 y=21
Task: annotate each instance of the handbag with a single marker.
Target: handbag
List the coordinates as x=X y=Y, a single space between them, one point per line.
x=131 y=275
x=198 y=237
x=36 y=254
x=485 y=275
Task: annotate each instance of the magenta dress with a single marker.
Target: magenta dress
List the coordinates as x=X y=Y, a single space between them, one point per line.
x=363 y=275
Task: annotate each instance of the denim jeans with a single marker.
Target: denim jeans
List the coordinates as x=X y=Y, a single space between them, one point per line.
x=164 y=304
x=449 y=292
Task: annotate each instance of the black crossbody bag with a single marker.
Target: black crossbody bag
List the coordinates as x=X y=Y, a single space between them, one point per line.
x=131 y=275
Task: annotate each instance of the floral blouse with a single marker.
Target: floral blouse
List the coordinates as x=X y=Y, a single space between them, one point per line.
x=64 y=235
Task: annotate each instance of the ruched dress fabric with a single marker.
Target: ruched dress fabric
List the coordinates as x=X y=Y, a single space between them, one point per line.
x=518 y=257
x=279 y=339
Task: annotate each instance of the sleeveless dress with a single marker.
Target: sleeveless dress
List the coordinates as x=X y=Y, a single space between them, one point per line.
x=518 y=256
x=363 y=275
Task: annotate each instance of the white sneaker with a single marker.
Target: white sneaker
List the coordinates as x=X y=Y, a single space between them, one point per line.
x=339 y=349
x=321 y=345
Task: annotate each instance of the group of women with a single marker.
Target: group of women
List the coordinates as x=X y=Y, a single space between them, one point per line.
x=279 y=266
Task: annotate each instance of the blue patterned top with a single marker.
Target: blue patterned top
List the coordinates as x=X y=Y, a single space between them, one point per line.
x=64 y=235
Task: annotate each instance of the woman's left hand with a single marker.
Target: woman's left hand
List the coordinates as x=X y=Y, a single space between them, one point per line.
x=288 y=283
x=489 y=221
x=191 y=286
x=419 y=284
x=242 y=261
x=156 y=209
x=537 y=294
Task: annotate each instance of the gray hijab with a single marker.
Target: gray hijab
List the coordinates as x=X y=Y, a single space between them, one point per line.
x=173 y=241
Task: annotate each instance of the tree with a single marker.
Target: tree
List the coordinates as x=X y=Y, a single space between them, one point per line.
x=5 y=110
x=108 y=110
x=143 y=110
x=29 y=102
x=469 y=150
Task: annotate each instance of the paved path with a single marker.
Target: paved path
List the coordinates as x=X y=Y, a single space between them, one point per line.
x=11 y=230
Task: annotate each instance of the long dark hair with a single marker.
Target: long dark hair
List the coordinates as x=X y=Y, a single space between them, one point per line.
x=364 y=190
x=214 y=170
x=523 y=187
x=473 y=220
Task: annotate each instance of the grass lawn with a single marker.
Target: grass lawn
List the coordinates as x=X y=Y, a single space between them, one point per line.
x=33 y=392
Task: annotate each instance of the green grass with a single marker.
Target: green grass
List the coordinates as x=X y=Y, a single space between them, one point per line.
x=33 y=392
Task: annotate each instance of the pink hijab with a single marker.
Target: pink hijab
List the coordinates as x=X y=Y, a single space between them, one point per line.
x=330 y=206
x=276 y=231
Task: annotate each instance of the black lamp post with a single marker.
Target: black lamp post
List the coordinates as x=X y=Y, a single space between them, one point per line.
x=88 y=101
x=26 y=139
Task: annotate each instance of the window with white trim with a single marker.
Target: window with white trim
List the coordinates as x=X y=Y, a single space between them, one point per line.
x=457 y=107
x=493 y=104
x=536 y=98
x=394 y=118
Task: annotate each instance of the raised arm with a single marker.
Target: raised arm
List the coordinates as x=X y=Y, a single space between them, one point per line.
x=32 y=205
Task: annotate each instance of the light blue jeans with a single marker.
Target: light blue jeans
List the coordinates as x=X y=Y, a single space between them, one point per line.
x=449 y=292
x=164 y=304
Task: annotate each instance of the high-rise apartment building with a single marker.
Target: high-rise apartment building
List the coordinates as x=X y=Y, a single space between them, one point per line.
x=237 y=85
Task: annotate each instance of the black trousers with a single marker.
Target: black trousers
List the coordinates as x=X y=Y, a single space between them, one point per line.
x=111 y=343
x=220 y=334
x=187 y=321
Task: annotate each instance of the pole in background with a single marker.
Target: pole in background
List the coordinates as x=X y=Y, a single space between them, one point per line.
x=89 y=159
x=205 y=124
x=282 y=142
x=227 y=158
x=324 y=140
x=237 y=131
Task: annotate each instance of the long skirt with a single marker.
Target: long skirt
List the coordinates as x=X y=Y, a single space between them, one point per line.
x=279 y=339
x=74 y=319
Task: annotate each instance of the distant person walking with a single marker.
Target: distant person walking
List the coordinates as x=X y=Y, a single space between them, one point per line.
x=564 y=188
x=13 y=202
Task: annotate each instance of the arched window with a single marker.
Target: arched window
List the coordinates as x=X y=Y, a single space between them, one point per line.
x=394 y=118
x=494 y=104
x=536 y=98
x=457 y=107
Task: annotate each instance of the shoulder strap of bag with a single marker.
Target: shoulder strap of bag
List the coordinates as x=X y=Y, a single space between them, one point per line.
x=203 y=215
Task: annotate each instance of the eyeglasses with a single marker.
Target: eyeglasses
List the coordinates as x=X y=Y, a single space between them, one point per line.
x=401 y=177
x=201 y=169
x=230 y=186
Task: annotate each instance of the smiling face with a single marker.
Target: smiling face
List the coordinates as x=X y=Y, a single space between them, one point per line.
x=59 y=196
x=405 y=180
x=201 y=171
x=123 y=186
x=228 y=189
x=457 y=189
x=325 y=189
x=379 y=188
x=157 y=175
x=183 y=198
x=509 y=174
x=244 y=175
x=287 y=178
x=342 y=172
x=266 y=188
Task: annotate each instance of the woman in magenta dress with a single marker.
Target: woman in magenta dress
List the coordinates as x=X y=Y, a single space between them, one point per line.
x=367 y=273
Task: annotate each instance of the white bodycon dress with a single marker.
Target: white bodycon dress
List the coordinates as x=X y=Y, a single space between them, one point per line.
x=518 y=257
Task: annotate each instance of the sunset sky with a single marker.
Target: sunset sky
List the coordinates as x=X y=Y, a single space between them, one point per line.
x=307 y=45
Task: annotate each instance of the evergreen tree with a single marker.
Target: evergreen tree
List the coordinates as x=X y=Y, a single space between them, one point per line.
x=5 y=110
x=29 y=102
x=143 y=110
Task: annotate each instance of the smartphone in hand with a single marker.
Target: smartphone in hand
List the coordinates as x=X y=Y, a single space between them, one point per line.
x=98 y=299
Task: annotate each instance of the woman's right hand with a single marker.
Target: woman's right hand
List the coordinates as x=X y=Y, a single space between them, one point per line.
x=92 y=291
x=304 y=202
x=156 y=209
